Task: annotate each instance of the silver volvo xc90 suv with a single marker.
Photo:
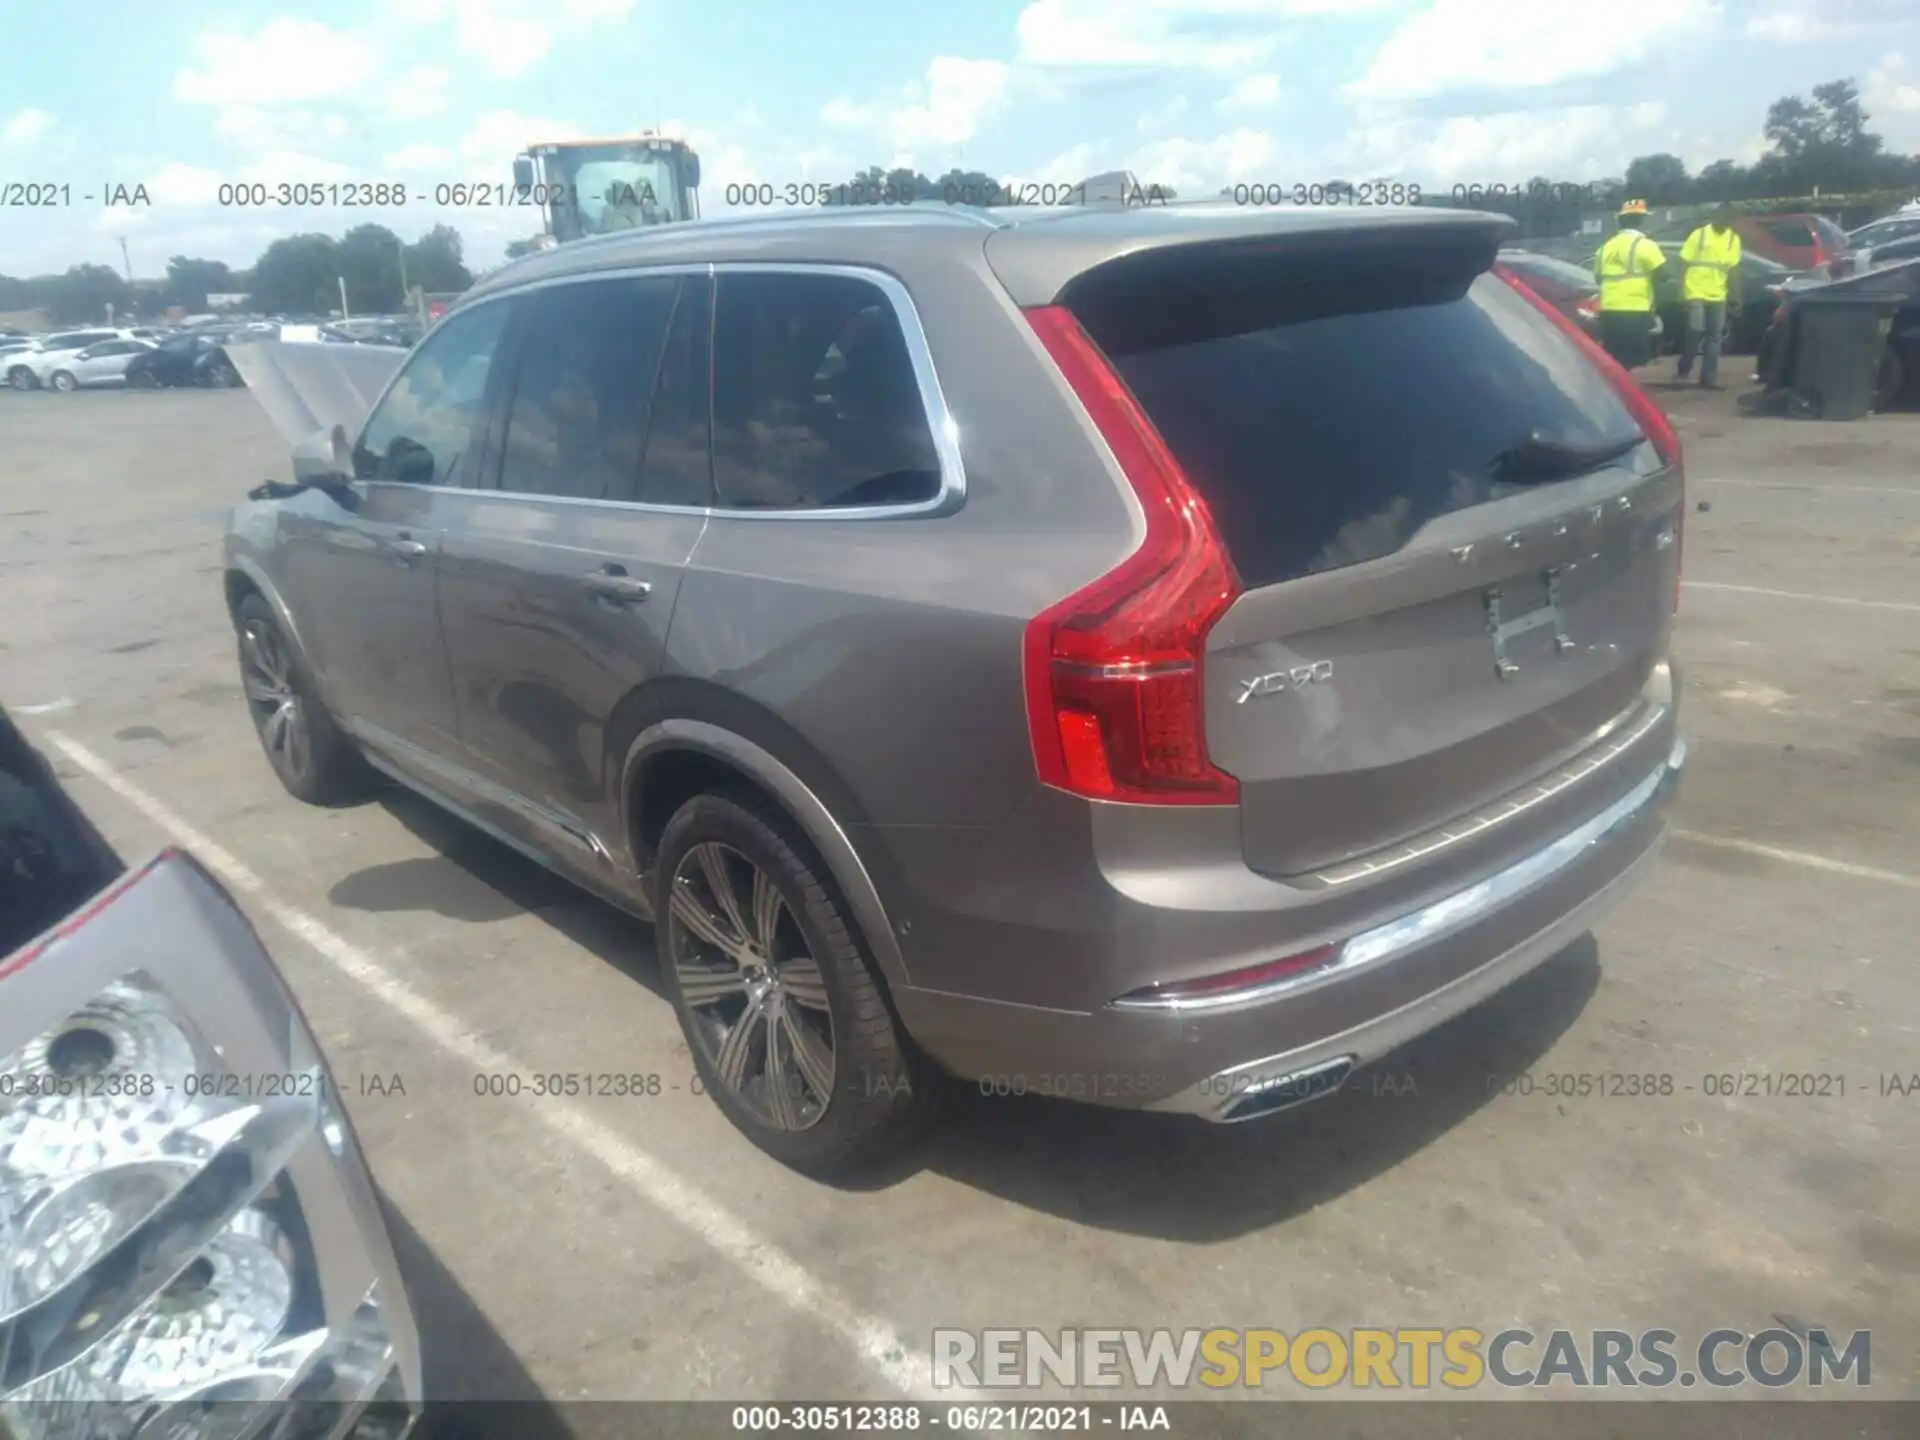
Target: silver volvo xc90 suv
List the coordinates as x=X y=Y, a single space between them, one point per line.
x=1165 y=657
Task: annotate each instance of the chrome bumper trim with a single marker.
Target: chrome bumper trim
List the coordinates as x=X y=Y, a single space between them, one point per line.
x=1604 y=750
x=1395 y=937
x=1213 y=1097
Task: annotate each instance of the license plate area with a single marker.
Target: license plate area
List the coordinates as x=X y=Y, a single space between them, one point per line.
x=1520 y=607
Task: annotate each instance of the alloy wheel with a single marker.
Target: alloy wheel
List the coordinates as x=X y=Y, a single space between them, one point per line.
x=753 y=989
x=278 y=714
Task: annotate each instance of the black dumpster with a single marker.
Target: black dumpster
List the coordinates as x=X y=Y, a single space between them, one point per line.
x=1832 y=356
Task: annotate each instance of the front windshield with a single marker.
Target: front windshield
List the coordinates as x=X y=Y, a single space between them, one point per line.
x=616 y=187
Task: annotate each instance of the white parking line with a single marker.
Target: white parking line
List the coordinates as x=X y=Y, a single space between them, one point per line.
x=872 y=1338
x=1801 y=595
x=1799 y=857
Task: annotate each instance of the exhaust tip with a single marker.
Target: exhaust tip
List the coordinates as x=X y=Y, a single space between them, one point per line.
x=1286 y=1092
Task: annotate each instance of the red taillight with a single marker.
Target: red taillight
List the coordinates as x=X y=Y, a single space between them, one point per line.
x=1646 y=412
x=1114 y=672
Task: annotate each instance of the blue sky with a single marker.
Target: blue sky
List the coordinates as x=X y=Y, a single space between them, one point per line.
x=181 y=95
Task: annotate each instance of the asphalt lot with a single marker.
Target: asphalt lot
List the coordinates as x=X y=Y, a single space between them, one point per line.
x=640 y=1248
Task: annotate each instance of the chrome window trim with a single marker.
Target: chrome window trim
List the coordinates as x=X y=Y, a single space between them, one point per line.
x=933 y=401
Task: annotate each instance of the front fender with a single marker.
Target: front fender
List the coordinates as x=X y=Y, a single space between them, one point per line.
x=244 y=566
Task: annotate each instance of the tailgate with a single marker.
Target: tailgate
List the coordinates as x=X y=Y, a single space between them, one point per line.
x=1456 y=548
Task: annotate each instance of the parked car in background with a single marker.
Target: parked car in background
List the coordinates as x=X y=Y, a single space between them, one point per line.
x=102 y=366
x=26 y=370
x=1077 y=743
x=1903 y=224
x=1890 y=252
x=179 y=1243
x=1561 y=283
x=192 y=359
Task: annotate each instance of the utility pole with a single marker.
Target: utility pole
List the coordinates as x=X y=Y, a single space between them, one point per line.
x=400 y=245
x=345 y=314
x=126 y=260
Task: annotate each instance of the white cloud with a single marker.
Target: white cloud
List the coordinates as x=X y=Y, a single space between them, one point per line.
x=1891 y=88
x=1252 y=92
x=1156 y=122
x=1497 y=44
x=943 y=109
x=286 y=60
x=1510 y=147
x=1224 y=35
x=1069 y=167
x=1798 y=21
x=1198 y=168
x=25 y=127
x=177 y=184
x=421 y=92
x=509 y=37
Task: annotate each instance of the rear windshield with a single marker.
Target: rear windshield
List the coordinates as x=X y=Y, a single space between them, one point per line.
x=1352 y=409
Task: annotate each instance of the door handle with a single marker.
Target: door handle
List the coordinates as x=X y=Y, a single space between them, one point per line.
x=613 y=585
x=407 y=548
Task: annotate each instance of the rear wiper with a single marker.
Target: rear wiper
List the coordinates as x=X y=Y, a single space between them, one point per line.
x=1539 y=457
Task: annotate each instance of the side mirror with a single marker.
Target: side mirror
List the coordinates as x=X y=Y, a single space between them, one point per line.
x=692 y=172
x=324 y=460
x=522 y=174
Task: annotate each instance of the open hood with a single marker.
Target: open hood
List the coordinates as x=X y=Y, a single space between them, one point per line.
x=309 y=385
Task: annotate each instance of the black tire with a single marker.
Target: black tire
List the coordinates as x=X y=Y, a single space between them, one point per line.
x=225 y=377
x=142 y=380
x=308 y=751
x=882 y=1091
x=64 y=383
x=22 y=379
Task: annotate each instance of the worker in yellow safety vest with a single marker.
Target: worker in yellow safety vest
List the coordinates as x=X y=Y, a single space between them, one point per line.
x=1624 y=267
x=1711 y=293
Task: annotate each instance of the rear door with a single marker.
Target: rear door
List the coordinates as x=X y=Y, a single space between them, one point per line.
x=560 y=574
x=1346 y=421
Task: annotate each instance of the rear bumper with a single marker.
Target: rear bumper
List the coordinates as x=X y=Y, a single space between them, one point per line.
x=1393 y=981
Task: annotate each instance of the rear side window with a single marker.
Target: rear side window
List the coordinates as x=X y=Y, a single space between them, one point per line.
x=1327 y=416
x=1796 y=233
x=579 y=415
x=815 y=398
x=1831 y=235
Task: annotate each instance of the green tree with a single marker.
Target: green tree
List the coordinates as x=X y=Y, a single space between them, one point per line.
x=297 y=274
x=190 y=281
x=1659 y=179
x=435 y=262
x=84 y=293
x=967 y=187
x=369 y=260
x=876 y=185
